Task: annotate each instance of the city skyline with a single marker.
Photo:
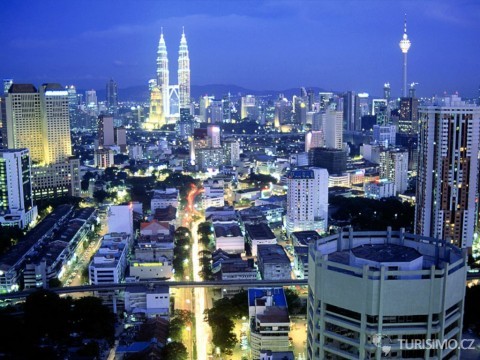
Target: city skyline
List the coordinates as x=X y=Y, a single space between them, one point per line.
x=240 y=42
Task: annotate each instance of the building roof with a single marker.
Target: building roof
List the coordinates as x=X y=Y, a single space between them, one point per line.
x=301 y=174
x=166 y=214
x=386 y=253
x=227 y=230
x=272 y=254
x=304 y=237
x=259 y=231
x=278 y=295
x=278 y=355
x=22 y=89
x=274 y=314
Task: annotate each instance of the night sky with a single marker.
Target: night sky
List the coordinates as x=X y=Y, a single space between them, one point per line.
x=335 y=45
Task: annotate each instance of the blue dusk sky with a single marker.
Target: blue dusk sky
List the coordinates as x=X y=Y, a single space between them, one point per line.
x=336 y=45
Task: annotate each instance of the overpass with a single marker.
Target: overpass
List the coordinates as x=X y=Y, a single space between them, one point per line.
x=174 y=284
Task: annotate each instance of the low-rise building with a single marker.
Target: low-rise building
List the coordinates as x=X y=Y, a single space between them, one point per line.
x=269 y=320
x=259 y=234
x=273 y=262
x=302 y=238
x=151 y=301
x=300 y=261
x=229 y=237
x=164 y=199
x=380 y=189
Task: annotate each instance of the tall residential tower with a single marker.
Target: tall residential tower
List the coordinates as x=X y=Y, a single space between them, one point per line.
x=447 y=180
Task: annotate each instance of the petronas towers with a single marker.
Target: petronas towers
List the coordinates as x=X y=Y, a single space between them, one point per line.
x=166 y=100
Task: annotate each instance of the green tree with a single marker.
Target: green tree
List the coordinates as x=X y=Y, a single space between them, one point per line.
x=175 y=351
x=100 y=195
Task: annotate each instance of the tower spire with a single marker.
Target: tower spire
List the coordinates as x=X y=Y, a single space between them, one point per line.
x=405 y=46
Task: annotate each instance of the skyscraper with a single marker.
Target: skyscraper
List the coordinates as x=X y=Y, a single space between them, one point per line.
x=447 y=180
x=351 y=112
x=106 y=135
x=6 y=85
x=248 y=108
x=307 y=200
x=56 y=123
x=408 y=116
x=405 y=46
x=163 y=75
x=39 y=121
x=112 y=97
x=184 y=72
x=333 y=128
x=16 y=201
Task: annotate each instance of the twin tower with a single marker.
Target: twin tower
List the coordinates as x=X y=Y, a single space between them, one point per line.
x=166 y=100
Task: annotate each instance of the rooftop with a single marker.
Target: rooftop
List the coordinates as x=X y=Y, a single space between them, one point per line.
x=272 y=254
x=386 y=253
x=277 y=294
x=304 y=237
x=259 y=231
x=227 y=230
x=22 y=89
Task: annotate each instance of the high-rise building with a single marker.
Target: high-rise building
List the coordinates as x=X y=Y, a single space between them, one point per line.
x=385 y=134
x=106 y=134
x=24 y=121
x=314 y=139
x=215 y=112
x=183 y=73
x=112 y=97
x=6 y=85
x=307 y=200
x=447 y=179
x=39 y=121
x=56 y=123
x=156 y=116
x=91 y=101
x=213 y=132
x=163 y=75
x=351 y=112
x=405 y=46
x=334 y=160
x=394 y=167
x=283 y=112
x=231 y=150
x=3 y=123
x=248 y=107
x=386 y=91
x=333 y=128
x=227 y=114
x=408 y=116
x=311 y=99
x=373 y=295
x=16 y=200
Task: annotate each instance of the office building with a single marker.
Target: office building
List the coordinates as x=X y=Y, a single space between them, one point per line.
x=231 y=151
x=385 y=135
x=215 y=112
x=39 y=121
x=408 y=116
x=6 y=85
x=3 y=123
x=333 y=128
x=334 y=160
x=391 y=288
x=16 y=200
x=307 y=200
x=351 y=112
x=183 y=73
x=269 y=321
x=163 y=76
x=156 y=117
x=103 y=158
x=314 y=139
x=227 y=113
x=106 y=135
x=248 y=108
x=112 y=97
x=447 y=180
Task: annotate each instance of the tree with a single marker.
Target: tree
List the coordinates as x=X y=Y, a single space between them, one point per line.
x=175 y=351
x=294 y=302
x=100 y=195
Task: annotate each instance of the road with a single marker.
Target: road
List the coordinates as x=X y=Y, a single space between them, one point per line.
x=201 y=328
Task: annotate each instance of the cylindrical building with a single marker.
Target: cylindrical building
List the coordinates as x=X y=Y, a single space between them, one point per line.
x=385 y=294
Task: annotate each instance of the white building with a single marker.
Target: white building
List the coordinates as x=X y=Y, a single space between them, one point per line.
x=149 y=301
x=164 y=198
x=110 y=261
x=374 y=289
x=270 y=322
x=313 y=139
x=120 y=219
x=384 y=135
x=379 y=189
x=103 y=158
x=307 y=200
x=447 y=185
x=259 y=234
x=333 y=128
x=394 y=167
x=231 y=150
x=16 y=201
x=229 y=238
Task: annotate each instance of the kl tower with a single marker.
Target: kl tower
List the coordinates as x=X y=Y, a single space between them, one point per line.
x=405 y=46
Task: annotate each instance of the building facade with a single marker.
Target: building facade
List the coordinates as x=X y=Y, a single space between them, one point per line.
x=447 y=185
x=389 y=288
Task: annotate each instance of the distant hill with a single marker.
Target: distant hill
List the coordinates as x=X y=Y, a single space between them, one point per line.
x=140 y=92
